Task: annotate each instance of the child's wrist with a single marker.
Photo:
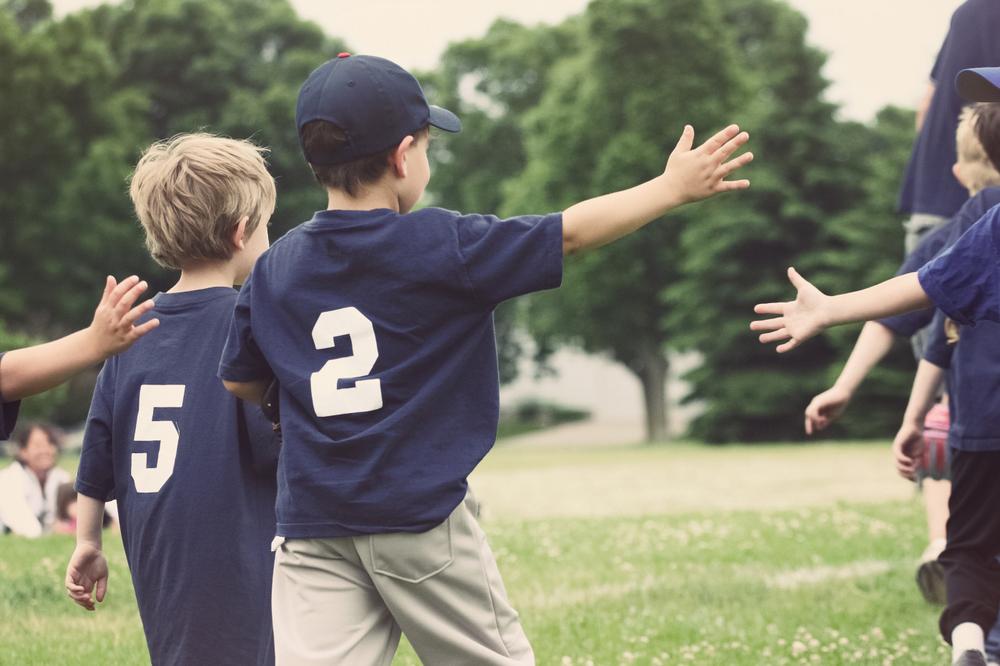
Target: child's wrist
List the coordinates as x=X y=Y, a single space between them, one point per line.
x=672 y=194
x=94 y=348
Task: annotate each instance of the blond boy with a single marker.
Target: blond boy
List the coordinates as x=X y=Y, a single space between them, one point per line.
x=184 y=458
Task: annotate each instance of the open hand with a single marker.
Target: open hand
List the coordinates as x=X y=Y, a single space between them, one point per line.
x=87 y=574
x=113 y=328
x=826 y=408
x=700 y=172
x=797 y=320
x=907 y=449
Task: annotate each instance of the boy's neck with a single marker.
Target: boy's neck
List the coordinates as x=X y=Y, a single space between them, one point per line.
x=374 y=196
x=205 y=276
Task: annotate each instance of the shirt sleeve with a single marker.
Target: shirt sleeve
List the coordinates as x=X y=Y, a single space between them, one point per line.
x=504 y=258
x=262 y=440
x=937 y=349
x=8 y=412
x=908 y=323
x=242 y=360
x=96 y=475
x=963 y=282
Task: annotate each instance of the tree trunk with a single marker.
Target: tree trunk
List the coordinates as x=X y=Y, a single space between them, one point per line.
x=652 y=372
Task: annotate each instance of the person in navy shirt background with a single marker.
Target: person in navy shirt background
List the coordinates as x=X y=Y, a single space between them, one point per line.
x=377 y=323
x=964 y=283
x=191 y=466
x=929 y=193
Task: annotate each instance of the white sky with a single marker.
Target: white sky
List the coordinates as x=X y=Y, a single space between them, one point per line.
x=866 y=39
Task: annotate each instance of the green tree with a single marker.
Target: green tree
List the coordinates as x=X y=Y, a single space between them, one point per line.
x=609 y=118
x=811 y=173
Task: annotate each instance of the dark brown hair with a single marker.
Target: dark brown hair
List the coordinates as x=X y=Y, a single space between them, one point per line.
x=23 y=434
x=987 y=126
x=320 y=136
x=65 y=495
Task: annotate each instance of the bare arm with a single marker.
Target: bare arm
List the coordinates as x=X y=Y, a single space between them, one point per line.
x=874 y=342
x=252 y=392
x=87 y=572
x=35 y=369
x=690 y=175
x=908 y=445
x=812 y=311
x=924 y=104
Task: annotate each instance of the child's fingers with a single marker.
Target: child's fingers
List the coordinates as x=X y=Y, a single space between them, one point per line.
x=123 y=286
x=731 y=146
x=774 y=336
x=788 y=346
x=770 y=308
x=102 y=588
x=771 y=324
x=719 y=140
x=733 y=164
x=732 y=185
x=144 y=328
x=124 y=304
x=109 y=285
x=137 y=312
x=686 y=140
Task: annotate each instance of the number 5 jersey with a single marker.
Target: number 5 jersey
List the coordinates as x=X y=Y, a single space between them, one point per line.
x=192 y=468
x=379 y=328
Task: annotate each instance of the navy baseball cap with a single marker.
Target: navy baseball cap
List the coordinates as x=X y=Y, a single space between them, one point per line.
x=375 y=101
x=979 y=84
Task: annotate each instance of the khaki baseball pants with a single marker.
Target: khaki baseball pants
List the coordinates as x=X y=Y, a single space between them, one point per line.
x=345 y=600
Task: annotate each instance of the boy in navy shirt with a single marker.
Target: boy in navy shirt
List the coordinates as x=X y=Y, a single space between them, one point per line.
x=377 y=323
x=975 y=171
x=185 y=459
x=964 y=283
x=25 y=372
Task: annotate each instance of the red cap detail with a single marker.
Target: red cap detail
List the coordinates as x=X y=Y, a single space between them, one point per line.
x=343 y=54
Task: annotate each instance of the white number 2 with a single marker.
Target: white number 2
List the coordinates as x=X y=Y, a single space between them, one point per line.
x=151 y=479
x=366 y=394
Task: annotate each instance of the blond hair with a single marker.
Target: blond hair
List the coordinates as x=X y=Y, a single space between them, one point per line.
x=190 y=192
x=977 y=123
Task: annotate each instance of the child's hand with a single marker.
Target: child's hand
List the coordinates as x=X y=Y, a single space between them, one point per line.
x=826 y=408
x=699 y=173
x=87 y=573
x=113 y=328
x=907 y=449
x=797 y=320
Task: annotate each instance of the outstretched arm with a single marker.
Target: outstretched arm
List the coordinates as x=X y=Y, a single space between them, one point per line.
x=35 y=369
x=812 y=311
x=908 y=445
x=691 y=174
x=874 y=342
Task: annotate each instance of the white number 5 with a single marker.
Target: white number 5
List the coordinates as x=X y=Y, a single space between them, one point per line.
x=366 y=394
x=151 y=479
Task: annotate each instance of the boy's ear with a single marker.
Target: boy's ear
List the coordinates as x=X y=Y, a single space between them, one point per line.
x=398 y=158
x=238 y=237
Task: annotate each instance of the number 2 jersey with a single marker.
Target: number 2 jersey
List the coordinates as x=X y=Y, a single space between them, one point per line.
x=379 y=328
x=192 y=468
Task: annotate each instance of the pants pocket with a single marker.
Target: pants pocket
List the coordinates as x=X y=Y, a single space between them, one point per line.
x=413 y=558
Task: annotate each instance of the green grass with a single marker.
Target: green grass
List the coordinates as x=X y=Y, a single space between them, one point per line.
x=609 y=561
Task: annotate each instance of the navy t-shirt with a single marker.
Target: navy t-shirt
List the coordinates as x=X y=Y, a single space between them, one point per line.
x=8 y=413
x=936 y=242
x=973 y=365
x=964 y=281
x=379 y=329
x=929 y=185
x=167 y=440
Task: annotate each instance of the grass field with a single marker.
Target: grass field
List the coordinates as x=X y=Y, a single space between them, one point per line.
x=616 y=555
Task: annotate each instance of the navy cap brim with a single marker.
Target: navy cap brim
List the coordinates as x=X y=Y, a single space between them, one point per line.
x=444 y=119
x=979 y=84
